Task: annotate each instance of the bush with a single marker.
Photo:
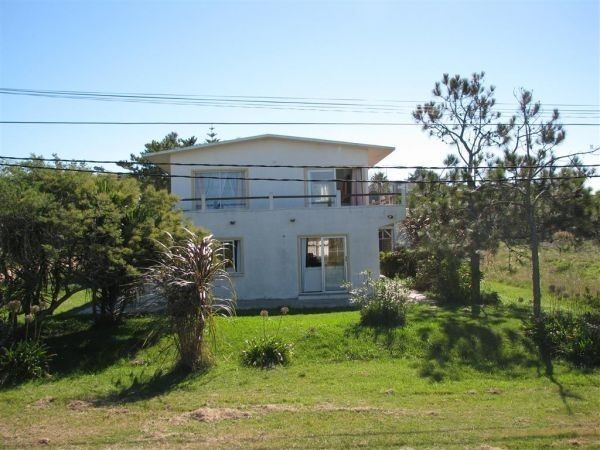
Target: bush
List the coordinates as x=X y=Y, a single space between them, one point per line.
x=382 y=301
x=266 y=353
x=23 y=361
x=565 y=335
x=401 y=262
x=445 y=275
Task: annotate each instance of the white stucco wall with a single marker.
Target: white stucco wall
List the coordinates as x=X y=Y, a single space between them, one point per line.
x=270 y=243
x=270 y=152
x=271 y=238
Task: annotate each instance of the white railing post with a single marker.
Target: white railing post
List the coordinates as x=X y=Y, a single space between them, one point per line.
x=203 y=202
x=271 y=201
x=338 y=198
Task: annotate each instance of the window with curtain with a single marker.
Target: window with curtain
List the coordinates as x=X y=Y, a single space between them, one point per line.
x=219 y=187
x=320 y=184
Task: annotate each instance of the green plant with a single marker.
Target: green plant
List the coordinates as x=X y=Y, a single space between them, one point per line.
x=402 y=262
x=23 y=361
x=571 y=337
x=187 y=275
x=446 y=275
x=382 y=301
x=267 y=351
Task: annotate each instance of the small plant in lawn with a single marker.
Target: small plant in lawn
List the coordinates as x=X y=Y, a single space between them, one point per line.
x=382 y=301
x=267 y=351
x=187 y=276
x=23 y=361
x=22 y=356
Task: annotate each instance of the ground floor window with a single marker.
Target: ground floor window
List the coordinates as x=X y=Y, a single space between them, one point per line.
x=386 y=239
x=232 y=252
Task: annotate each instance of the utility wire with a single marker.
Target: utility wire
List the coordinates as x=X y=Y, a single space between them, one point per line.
x=209 y=177
x=392 y=124
x=292 y=103
x=286 y=166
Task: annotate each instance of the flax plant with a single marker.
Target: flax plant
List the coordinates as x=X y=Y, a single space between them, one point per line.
x=187 y=274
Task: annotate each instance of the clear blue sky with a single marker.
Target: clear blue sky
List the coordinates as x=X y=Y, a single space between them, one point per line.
x=371 y=50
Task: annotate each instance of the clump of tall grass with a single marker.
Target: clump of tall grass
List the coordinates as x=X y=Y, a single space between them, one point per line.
x=187 y=274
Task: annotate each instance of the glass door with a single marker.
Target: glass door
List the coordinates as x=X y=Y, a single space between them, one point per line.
x=334 y=271
x=323 y=262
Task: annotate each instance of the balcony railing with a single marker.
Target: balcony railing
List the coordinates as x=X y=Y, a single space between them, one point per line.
x=269 y=202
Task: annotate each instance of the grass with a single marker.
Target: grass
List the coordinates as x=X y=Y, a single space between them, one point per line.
x=446 y=380
x=75 y=302
x=570 y=279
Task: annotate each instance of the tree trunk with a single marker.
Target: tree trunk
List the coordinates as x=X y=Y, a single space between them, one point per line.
x=475 y=281
x=535 y=260
x=474 y=258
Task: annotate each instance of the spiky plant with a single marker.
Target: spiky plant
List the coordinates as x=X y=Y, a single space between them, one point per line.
x=187 y=274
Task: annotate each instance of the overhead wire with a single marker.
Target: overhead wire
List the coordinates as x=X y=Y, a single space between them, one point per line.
x=278 y=103
x=291 y=123
x=169 y=176
x=278 y=166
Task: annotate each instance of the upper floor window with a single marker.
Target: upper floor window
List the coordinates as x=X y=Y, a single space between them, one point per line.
x=321 y=187
x=325 y=184
x=222 y=189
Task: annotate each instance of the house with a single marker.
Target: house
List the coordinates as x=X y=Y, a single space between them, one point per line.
x=296 y=232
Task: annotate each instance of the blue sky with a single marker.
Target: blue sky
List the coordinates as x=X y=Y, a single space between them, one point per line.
x=370 y=50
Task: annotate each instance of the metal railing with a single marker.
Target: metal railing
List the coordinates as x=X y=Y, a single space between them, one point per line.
x=203 y=203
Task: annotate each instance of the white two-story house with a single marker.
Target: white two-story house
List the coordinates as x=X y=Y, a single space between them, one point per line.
x=295 y=213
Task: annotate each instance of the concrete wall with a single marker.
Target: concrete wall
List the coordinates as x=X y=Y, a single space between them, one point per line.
x=271 y=152
x=271 y=238
x=270 y=243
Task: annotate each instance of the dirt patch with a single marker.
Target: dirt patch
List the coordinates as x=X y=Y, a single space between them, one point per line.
x=357 y=409
x=276 y=408
x=216 y=414
x=78 y=405
x=207 y=414
x=489 y=447
x=494 y=391
x=43 y=402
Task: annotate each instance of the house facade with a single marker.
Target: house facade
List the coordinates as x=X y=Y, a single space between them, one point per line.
x=295 y=214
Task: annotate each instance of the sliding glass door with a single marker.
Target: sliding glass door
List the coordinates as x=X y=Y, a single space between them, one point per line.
x=323 y=262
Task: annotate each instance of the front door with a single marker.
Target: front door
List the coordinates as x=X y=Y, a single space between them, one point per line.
x=323 y=262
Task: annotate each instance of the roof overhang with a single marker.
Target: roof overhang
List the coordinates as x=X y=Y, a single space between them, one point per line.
x=375 y=152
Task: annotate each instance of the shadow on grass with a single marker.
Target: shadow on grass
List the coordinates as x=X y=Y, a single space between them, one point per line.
x=80 y=346
x=141 y=388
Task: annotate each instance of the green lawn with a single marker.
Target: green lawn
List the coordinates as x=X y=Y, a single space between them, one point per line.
x=444 y=381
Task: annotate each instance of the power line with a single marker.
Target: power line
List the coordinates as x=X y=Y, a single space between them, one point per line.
x=392 y=124
x=209 y=177
x=295 y=103
x=278 y=166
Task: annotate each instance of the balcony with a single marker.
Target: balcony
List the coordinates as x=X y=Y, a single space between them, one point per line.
x=272 y=202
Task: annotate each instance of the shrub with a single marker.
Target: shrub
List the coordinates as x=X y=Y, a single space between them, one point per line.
x=401 y=262
x=563 y=240
x=23 y=361
x=267 y=351
x=382 y=301
x=567 y=336
x=187 y=275
x=445 y=275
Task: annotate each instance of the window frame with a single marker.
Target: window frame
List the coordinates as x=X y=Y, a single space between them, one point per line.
x=197 y=194
x=237 y=268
